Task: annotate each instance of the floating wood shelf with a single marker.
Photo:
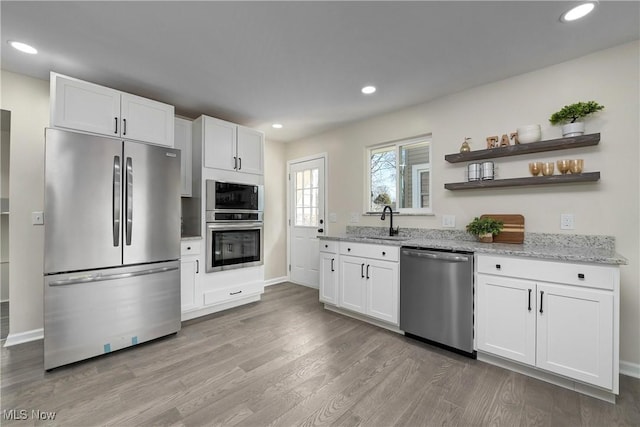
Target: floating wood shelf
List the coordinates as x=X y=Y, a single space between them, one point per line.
x=521 y=182
x=520 y=149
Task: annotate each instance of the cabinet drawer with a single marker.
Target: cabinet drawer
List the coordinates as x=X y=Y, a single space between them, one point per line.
x=231 y=293
x=587 y=275
x=330 y=246
x=382 y=252
x=189 y=247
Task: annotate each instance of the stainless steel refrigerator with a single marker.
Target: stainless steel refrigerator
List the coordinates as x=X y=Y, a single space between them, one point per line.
x=112 y=245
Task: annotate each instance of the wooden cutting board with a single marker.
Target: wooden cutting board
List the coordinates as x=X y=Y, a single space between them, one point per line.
x=513 y=231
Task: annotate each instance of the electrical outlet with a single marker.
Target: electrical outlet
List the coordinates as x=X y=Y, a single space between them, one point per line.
x=37 y=218
x=567 y=222
x=354 y=218
x=333 y=217
x=449 y=221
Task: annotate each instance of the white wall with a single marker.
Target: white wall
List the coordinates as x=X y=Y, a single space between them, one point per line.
x=609 y=207
x=28 y=101
x=275 y=231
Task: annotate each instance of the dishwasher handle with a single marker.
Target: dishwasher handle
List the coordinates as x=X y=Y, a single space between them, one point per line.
x=444 y=256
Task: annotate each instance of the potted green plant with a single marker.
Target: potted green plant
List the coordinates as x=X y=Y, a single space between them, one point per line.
x=485 y=228
x=570 y=115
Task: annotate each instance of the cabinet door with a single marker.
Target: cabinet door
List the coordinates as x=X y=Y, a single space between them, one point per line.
x=352 y=284
x=575 y=333
x=506 y=318
x=147 y=120
x=182 y=141
x=219 y=144
x=189 y=273
x=250 y=151
x=328 y=278
x=85 y=106
x=382 y=290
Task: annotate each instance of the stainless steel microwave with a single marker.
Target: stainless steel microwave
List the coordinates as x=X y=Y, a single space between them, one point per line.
x=233 y=202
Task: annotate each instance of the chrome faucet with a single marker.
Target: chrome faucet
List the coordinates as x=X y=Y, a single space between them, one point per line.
x=392 y=231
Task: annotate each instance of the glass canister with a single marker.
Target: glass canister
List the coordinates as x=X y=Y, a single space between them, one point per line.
x=473 y=172
x=487 y=171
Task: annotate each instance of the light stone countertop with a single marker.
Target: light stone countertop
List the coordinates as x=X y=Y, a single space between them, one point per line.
x=587 y=254
x=183 y=238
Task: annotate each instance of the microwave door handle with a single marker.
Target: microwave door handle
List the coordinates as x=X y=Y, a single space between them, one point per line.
x=129 y=200
x=116 y=201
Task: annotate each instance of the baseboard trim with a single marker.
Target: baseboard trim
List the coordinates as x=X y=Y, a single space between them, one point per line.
x=24 y=337
x=276 y=281
x=630 y=369
x=305 y=284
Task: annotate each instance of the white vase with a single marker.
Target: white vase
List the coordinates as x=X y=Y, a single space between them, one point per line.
x=573 y=129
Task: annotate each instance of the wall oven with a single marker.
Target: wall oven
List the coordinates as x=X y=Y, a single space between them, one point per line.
x=234 y=225
x=234 y=245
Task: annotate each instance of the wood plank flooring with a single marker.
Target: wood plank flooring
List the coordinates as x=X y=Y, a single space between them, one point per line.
x=286 y=361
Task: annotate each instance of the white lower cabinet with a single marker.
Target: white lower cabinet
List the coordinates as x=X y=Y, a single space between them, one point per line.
x=361 y=278
x=329 y=277
x=570 y=329
x=189 y=274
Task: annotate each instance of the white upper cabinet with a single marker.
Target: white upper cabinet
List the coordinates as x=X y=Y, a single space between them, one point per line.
x=146 y=120
x=219 y=144
x=88 y=107
x=84 y=106
x=182 y=141
x=250 y=151
x=231 y=147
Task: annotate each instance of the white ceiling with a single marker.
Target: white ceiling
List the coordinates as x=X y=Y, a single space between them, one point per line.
x=301 y=63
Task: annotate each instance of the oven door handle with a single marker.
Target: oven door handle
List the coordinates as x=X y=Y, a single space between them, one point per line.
x=234 y=225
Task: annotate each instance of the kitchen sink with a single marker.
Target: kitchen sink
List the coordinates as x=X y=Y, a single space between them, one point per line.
x=385 y=238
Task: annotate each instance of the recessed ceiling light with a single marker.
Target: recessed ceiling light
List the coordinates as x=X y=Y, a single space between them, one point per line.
x=23 y=47
x=277 y=126
x=578 y=12
x=368 y=90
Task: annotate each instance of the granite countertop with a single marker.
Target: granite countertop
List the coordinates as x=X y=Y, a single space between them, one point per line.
x=558 y=252
x=187 y=237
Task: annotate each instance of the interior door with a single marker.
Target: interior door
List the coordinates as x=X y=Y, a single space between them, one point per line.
x=82 y=202
x=151 y=211
x=307 y=215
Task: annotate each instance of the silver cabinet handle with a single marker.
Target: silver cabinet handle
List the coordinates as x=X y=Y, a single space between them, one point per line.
x=129 y=207
x=197 y=266
x=239 y=163
x=104 y=277
x=116 y=201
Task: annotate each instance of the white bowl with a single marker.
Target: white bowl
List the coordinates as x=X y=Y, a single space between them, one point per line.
x=528 y=128
x=527 y=137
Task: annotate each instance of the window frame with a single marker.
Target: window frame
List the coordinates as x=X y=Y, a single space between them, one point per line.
x=427 y=139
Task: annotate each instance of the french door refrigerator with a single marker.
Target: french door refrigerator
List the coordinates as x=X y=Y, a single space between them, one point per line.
x=112 y=245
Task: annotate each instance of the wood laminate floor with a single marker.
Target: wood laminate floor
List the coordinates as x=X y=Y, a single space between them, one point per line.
x=286 y=361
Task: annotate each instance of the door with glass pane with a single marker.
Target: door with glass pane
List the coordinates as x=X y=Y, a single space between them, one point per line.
x=307 y=220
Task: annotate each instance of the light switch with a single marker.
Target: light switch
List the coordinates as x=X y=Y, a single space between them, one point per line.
x=449 y=221
x=567 y=222
x=333 y=217
x=37 y=218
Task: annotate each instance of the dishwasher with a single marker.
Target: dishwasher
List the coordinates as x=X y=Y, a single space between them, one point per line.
x=436 y=298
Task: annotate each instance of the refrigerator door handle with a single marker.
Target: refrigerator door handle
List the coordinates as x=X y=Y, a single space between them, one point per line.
x=88 y=278
x=116 y=201
x=129 y=202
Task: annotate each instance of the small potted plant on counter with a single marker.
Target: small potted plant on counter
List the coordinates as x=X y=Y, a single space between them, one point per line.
x=570 y=114
x=485 y=228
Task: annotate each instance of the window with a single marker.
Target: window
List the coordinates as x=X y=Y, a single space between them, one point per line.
x=306 y=185
x=399 y=175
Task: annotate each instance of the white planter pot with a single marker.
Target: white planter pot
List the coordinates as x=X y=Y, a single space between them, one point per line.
x=573 y=129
